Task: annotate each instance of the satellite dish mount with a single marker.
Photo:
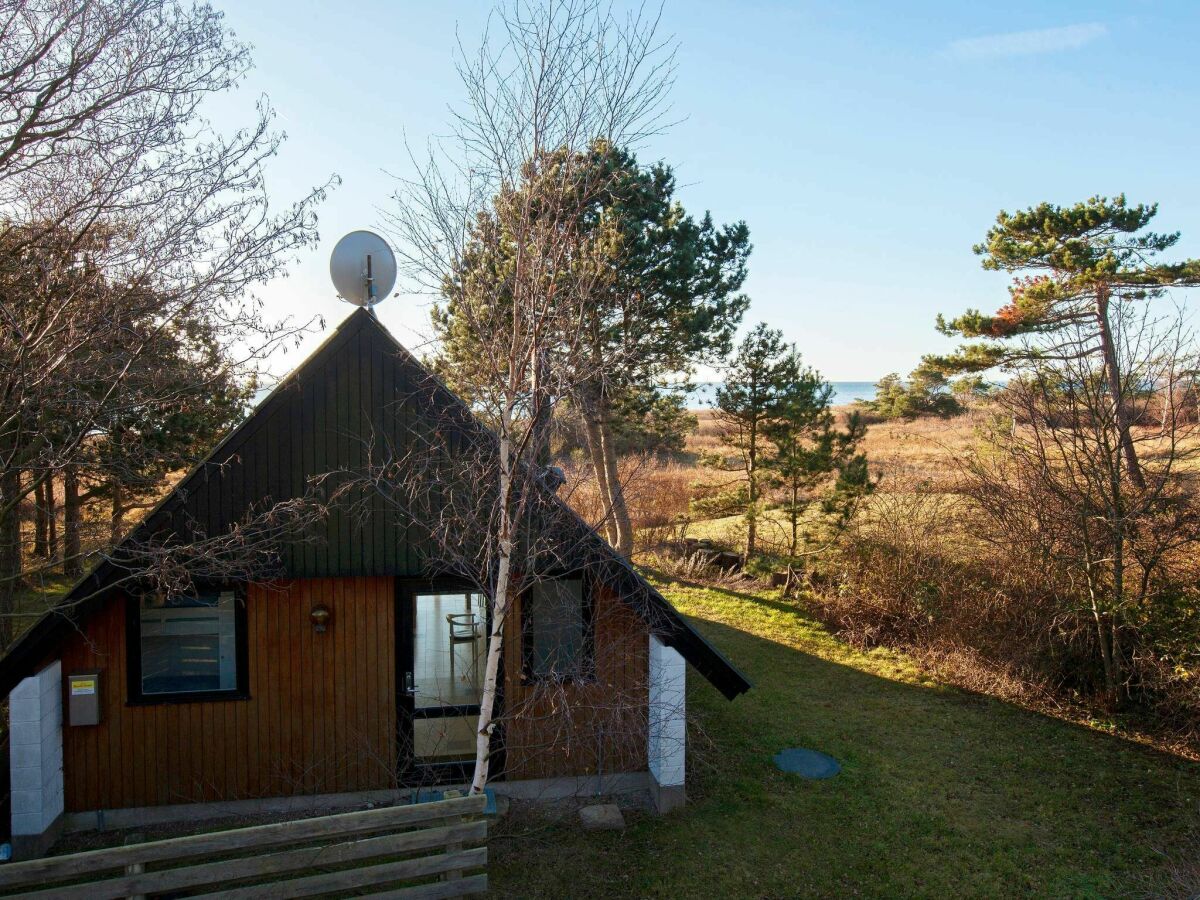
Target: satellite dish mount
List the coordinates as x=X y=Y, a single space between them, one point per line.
x=363 y=269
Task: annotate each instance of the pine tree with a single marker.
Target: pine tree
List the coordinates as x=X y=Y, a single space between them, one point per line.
x=809 y=451
x=755 y=381
x=1075 y=268
x=662 y=294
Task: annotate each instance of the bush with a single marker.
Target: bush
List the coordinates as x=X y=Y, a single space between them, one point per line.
x=913 y=574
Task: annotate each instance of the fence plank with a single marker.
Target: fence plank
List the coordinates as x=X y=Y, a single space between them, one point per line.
x=92 y=862
x=232 y=870
x=364 y=876
x=438 y=890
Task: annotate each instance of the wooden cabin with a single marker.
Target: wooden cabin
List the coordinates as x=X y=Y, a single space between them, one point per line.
x=354 y=666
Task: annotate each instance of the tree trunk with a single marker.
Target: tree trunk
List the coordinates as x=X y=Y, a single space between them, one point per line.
x=1107 y=656
x=72 y=521
x=117 y=517
x=592 y=432
x=51 y=520
x=622 y=524
x=41 y=525
x=752 y=492
x=10 y=550
x=794 y=516
x=1112 y=374
x=491 y=674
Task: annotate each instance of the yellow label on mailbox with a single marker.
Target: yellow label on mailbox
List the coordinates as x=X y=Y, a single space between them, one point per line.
x=82 y=686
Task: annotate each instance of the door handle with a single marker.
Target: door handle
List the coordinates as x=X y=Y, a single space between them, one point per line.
x=409 y=687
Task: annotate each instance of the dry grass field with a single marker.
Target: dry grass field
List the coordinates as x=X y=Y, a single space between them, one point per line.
x=660 y=492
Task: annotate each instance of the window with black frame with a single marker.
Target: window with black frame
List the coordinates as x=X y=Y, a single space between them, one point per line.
x=558 y=630
x=188 y=645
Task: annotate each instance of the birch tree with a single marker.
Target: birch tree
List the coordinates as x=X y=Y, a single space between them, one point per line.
x=491 y=223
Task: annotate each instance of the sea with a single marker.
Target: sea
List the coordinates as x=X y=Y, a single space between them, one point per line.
x=843 y=392
x=702 y=397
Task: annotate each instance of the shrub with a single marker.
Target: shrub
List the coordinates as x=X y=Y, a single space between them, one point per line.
x=914 y=573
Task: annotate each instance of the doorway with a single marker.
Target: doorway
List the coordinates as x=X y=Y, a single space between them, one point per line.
x=442 y=645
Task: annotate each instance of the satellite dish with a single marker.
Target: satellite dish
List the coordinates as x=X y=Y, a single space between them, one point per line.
x=363 y=268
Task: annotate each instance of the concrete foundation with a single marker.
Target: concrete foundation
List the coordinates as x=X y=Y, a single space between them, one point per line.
x=667 y=739
x=36 y=761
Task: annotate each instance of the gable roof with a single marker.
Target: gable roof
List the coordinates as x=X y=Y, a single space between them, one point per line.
x=358 y=382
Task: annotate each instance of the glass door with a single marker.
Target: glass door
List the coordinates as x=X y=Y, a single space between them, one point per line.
x=443 y=674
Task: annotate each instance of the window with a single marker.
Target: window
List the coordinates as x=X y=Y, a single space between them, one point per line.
x=558 y=630
x=187 y=646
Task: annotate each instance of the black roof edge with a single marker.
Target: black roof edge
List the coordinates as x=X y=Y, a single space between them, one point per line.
x=41 y=638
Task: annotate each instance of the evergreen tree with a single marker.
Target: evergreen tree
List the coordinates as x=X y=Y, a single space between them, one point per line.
x=809 y=450
x=928 y=392
x=1075 y=269
x=662 y=294
x=756 y=381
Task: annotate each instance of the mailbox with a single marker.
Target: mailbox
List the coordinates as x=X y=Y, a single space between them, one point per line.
x=83 y=698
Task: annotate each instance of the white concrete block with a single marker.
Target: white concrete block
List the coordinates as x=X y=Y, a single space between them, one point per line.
x=28 y=687
x=26 y=778
x=25 y=755
x=667 y=737
x=27 y=802
x=26 y=823
x=24 y=709
x=36 y=752
x=23 y=733
x=52 y=809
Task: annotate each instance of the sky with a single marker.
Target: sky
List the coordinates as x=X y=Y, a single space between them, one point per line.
x=867 y=145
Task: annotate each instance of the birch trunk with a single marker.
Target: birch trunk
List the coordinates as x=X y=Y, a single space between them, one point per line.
x=117 y=517
x=491 y=676
x=51 y=520
x=41 y=524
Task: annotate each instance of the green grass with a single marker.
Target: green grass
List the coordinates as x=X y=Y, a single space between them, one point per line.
x=942 y=792
x=37 y=598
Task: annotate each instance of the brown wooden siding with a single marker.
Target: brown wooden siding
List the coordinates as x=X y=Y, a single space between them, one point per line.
x=320 y=718
x=581 y=728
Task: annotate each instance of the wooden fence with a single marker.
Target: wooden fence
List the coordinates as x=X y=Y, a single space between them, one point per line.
x=423 y=850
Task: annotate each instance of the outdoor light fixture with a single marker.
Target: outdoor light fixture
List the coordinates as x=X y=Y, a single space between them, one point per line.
x=320 y=616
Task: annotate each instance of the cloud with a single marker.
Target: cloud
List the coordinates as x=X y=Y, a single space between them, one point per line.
x=1025 y=43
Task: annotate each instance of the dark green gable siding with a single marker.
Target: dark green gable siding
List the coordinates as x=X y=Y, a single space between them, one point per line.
x=351 y=406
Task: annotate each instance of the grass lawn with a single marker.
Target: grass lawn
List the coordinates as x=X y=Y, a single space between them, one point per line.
x=941 y=793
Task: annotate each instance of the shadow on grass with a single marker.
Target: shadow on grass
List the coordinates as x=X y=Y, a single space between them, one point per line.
x=942 y=791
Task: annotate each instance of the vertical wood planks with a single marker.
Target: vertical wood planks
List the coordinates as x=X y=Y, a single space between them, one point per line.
x=566 y=732
x=320 y=715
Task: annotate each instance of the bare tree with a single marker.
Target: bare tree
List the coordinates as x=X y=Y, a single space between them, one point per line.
x=545 y=85
x=1054 y=486
x=125 y=222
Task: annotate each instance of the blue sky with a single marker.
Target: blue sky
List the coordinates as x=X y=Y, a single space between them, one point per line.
x=867 y=145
